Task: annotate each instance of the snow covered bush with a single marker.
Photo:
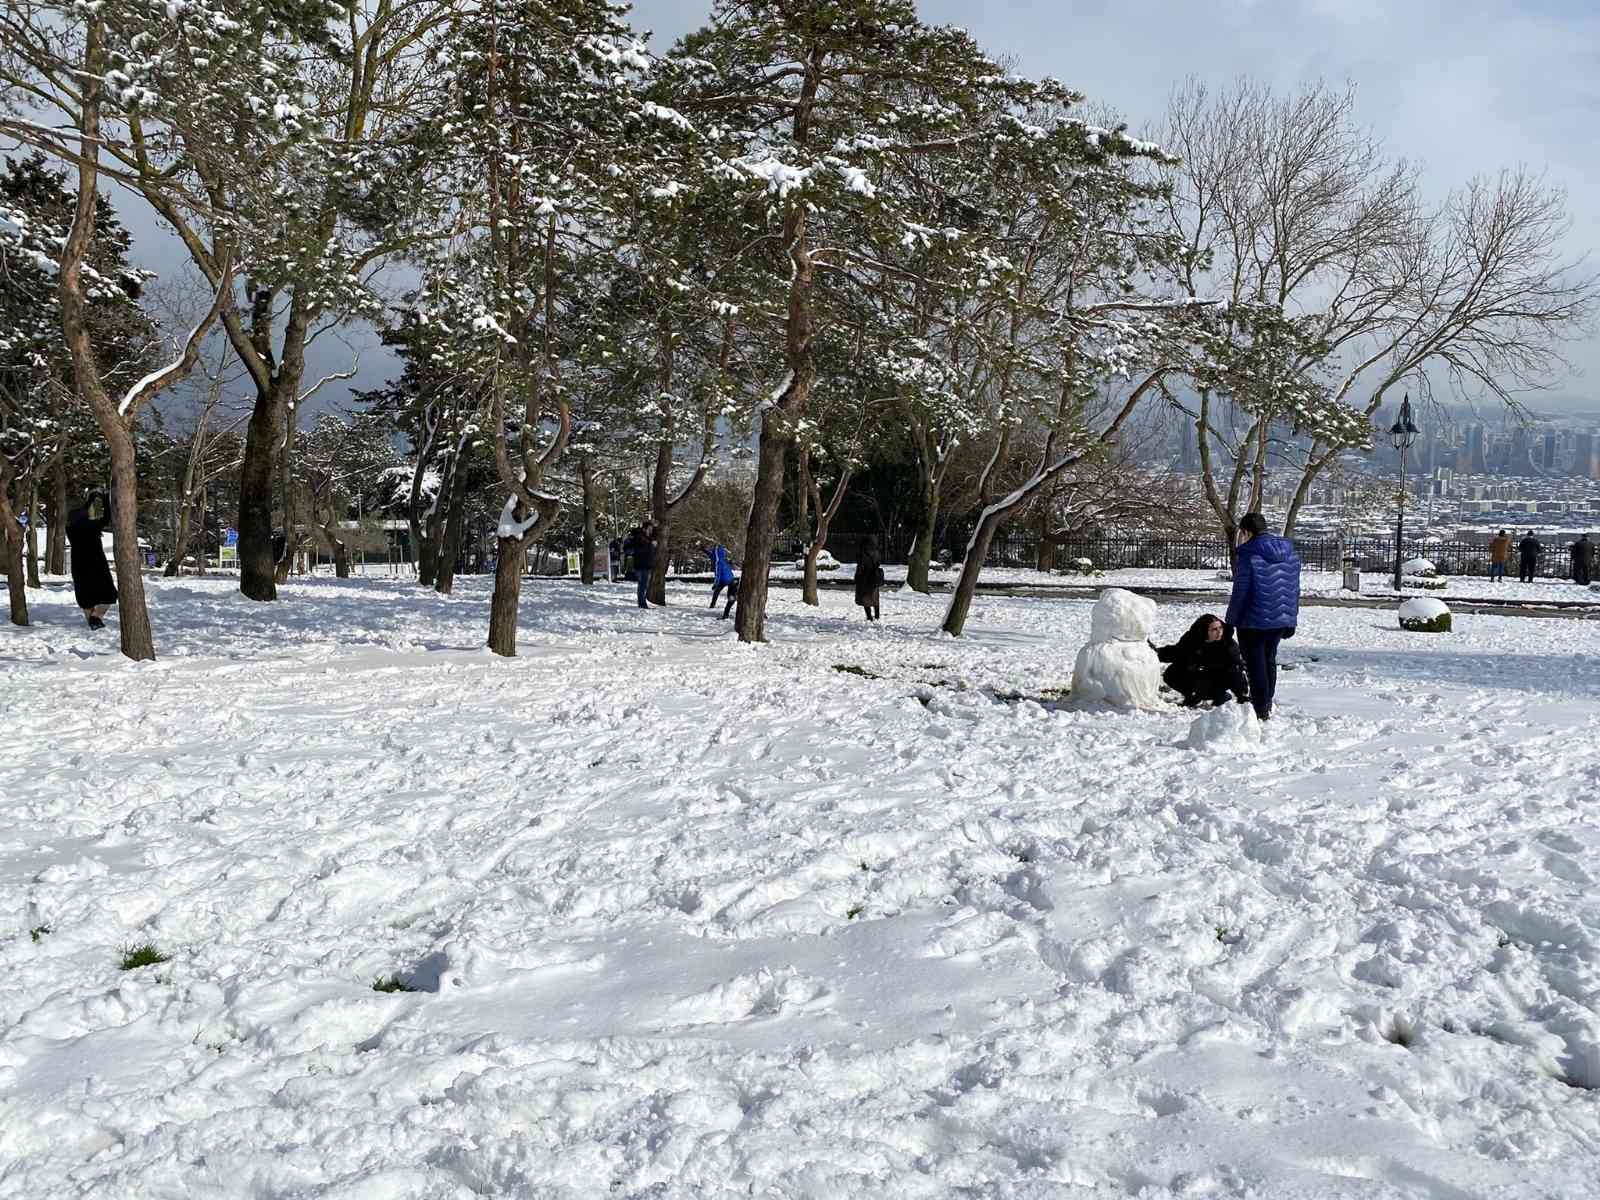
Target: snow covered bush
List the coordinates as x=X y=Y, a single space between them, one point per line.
x=1080 y=566
x=1424 y=614
x=1425 y=583
x=1421 y=568
x=825 y=562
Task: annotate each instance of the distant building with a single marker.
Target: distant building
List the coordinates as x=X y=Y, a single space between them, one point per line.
x=1476 y=462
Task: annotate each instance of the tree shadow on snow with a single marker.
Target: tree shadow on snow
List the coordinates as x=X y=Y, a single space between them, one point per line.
x=1573 y=674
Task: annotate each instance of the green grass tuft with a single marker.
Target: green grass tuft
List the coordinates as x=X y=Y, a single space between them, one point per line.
x=146 y=955
x=391 y=983
x=38 y=932
x=854 y=911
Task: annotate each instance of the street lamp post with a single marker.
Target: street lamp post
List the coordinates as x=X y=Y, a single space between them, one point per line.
x=1402 y=435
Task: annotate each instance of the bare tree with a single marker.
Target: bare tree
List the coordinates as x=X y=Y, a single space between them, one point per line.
x=1337 y=282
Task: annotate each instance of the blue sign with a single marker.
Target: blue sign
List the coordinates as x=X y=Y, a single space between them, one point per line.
x=230 y=537
x=22 y=518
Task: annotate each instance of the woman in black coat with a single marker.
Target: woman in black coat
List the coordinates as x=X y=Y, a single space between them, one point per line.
x=869 y=578
x=91 y=576
x=1206 y=664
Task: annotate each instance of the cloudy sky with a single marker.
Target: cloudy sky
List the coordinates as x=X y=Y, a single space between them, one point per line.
x=1461 y=87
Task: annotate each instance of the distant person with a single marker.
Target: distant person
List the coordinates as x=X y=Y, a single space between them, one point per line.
x=721 y=570
x=1528 y=557
x=1265 y=605
x=1206 y=664
x=91 y=575
x=642 y=546
x=869 y=578
x=1582 y=560
x=1499 y=553
x=614 y=555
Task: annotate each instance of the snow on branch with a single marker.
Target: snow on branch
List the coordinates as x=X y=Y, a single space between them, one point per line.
x=174 y=371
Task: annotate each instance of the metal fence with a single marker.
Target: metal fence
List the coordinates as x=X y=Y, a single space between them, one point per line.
x=1020 y=548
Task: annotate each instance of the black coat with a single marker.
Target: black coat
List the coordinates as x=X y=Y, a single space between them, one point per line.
x=91 y=575
x=869 y=578
x=642 y=548
x=1203 y=670
x=1529 y=549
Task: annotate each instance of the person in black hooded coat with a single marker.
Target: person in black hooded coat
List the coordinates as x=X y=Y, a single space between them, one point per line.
x=91 y=575
x=1205 y=664
x=869 y=578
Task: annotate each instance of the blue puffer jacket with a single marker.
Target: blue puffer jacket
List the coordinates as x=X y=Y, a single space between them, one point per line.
x=722 y=569
x=1266 y=585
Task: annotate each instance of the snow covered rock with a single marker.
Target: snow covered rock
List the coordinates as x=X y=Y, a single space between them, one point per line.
x=1226 y=727
x=1117 y=665
x=1424 y=614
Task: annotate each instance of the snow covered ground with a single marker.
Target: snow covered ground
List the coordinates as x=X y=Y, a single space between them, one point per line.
x=693 y=919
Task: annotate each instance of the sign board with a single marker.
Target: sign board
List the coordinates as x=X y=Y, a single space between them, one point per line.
x=602 y=562
x=230 y=537
x=228 y=552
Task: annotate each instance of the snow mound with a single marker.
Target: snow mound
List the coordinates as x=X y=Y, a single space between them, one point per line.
x=1424 y=614
x=1126 y=674
x=1419 y=566
x=1117 y=666
x=1226 y=727
x=756 y=994
x=1120 y=616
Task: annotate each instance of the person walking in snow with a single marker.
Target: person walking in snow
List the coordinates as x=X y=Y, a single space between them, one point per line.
x=642 y=546
x=1582 y=560
x=614 y=552
x=721 y=571
x=1206 y=665
x=1499 y=554
x=1528 y=557
x=91 y=575
x=1265 y=605
x=869 y=578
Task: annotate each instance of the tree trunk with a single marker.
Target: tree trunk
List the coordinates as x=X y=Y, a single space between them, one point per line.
x=341 y=558
x=11 y=543
x=808 y=588
x=922 y=546
x=507 y=592
x=449 y=551
x=751 y=616
x=427 y=555
x=55 y=550
x=955 y=616
x=1047 y=548
x=133 y=616
x=657 y=593
x=257 y=569
x=180 y=540
x=33 y=532
x=200 y=559
x=291 y=527
x=586 y=474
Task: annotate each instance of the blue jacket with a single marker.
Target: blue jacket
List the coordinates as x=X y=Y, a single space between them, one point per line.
x=721 y=568
x=1266 y=585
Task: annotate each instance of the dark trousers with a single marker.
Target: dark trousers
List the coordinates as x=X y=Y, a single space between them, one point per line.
x=1525 y=570
x=641 y=576
x=733 y=598
x=1260 y=650
x=716 y=590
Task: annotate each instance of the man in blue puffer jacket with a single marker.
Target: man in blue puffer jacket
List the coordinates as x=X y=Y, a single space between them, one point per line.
x=1265 y=606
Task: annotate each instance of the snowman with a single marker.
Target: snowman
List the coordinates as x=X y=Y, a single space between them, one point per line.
x=1117 y=666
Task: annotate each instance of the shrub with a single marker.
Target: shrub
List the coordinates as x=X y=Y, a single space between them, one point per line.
x=1424 y=615
x=134 y=957
x=391 y=983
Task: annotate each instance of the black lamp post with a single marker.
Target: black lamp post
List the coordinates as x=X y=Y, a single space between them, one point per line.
x=1403 y=435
